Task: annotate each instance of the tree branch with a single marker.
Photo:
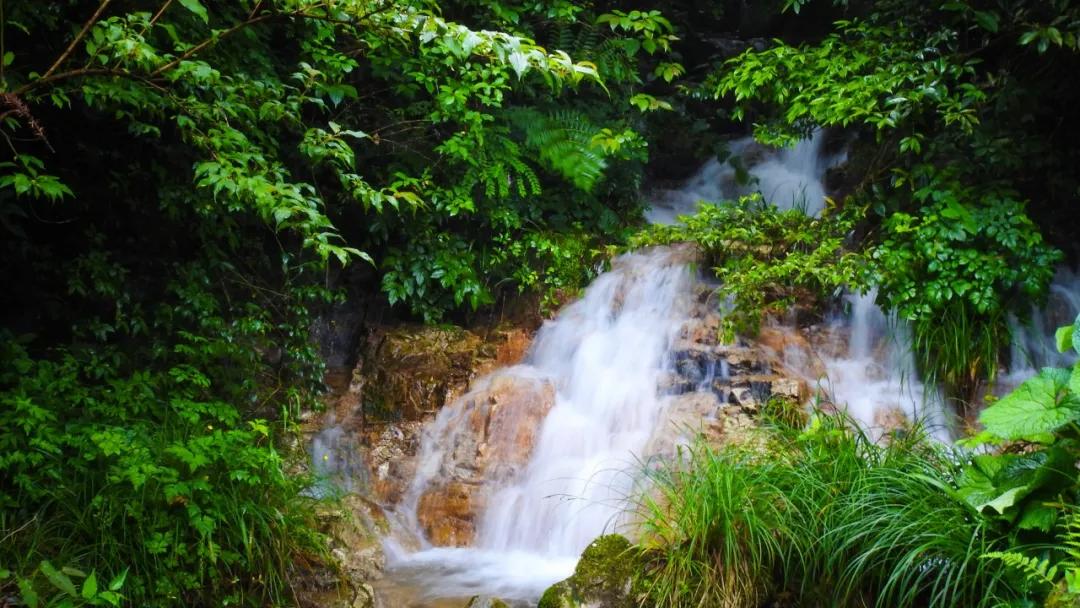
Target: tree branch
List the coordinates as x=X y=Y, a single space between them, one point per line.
x=84 y=72
x=161 y=11
x=78 y=38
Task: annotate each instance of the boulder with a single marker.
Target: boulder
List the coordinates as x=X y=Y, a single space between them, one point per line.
x=603 y=578
x=487 y=437
x=483 y=601
x=447 y=513
x=686 y=417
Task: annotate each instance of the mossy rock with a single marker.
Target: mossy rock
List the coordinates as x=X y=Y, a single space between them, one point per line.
x=603 y=578
x=483 y=601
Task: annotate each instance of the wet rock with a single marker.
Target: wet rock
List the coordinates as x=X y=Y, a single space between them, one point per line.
x=355 y=528
x=704 y=331
x=412 y=371
x=483 y=601
x=355 y=531
x=674 y=384
x=742 y=360
x=686 y=418
x=790 y=388
x=744 y=398
x=447 y=514
x=364 y=597
x=391 y=459
x=487 y=439
x=603 y=578
x=891 y=421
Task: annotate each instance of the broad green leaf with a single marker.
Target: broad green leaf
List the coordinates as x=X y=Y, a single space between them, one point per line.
x=519 y=62
x=976 y=483
x=1076 y=334
x=987 y=21
x=196 y=7
x=58 y=579
x=1037 y=516
x=1064 y=336
x=90 y=587
x=1041 y=404
x=1002 y=481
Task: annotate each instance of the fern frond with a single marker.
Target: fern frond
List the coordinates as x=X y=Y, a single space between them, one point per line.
x=563 y=141
x=1034 y=569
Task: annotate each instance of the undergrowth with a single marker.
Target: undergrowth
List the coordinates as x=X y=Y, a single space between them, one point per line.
x=823 y=517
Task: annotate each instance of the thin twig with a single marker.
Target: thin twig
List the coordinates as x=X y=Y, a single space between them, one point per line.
x=82 y=72
x=78 y=38
x=161 y=11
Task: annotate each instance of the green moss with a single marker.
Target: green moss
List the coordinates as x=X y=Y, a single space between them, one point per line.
x=602 y=578
x=479 y=601
x=558 y=595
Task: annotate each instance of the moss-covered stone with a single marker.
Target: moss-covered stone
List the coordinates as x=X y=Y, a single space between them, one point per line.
x=558 y=595
x=603 y=577
x=483 y=601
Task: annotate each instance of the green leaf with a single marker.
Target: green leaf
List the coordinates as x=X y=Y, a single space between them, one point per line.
x=9 y=57
x=1074 y=379
x=29 y=595
x=1076 y=335
x=1037 y=516
x=1064 y=336
x=58 y=579
x=1040 y=405
x=196 y=7
x=90 y=587
x=987 y=21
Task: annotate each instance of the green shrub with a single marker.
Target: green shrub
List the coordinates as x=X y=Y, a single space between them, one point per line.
x=824 y=516
x=157 y=455
x=766 y=259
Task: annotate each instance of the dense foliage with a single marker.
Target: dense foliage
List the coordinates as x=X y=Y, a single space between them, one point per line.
x=184 y=179
x=767 y=260
x=821 y=516
x=957 y=105
x=185 y=182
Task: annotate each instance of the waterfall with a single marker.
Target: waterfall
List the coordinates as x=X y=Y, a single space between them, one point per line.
x=1033 y=342
x=542 y=455
x=788 y=178
x=604 y=356
x=874 y=379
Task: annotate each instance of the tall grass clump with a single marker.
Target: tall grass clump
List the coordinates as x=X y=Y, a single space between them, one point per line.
x=823 y=517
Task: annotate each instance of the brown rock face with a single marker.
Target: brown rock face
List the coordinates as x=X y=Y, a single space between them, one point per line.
x=488 y=437
x=447 y=514
x=410 y=372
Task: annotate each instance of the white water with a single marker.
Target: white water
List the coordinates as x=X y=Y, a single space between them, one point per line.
x=788 y=178
x=1033 y=343
x=604 y=354
x=336 y=461
x=875 y=379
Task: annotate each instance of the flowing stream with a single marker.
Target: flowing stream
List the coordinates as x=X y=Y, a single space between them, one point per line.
x=549 y=447
x=604 y=355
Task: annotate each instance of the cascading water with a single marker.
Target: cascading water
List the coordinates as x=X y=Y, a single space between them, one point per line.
x=874 y=378
x=604 y=356
x=545 y=451
x=1033 y=343
x=788 y=178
